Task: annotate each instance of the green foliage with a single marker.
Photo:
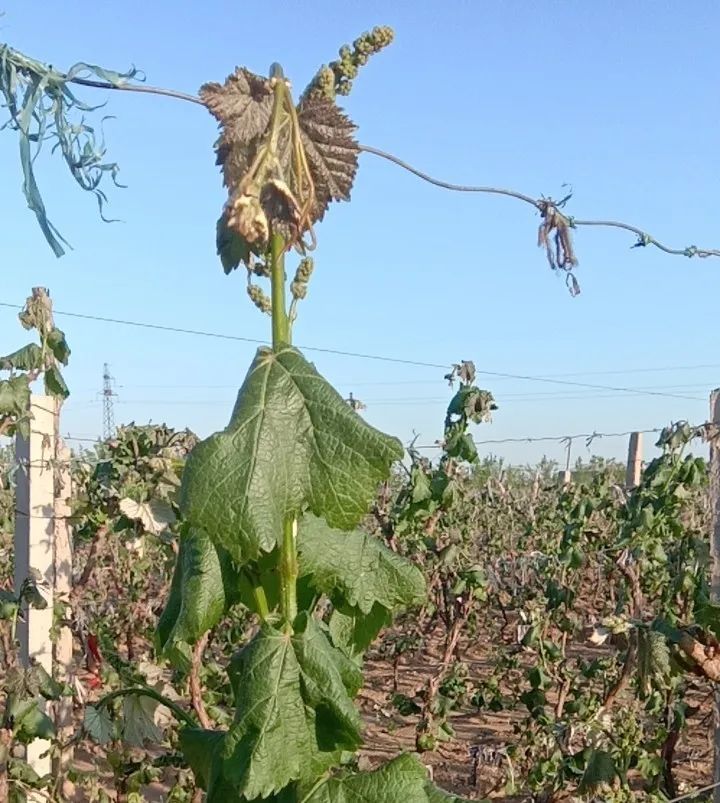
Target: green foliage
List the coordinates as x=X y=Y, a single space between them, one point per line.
x=32 y=361
x=354 y=569
x=271 y=570
x=292 y=443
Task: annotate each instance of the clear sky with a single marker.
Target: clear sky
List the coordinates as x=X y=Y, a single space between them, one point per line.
x=619 y=100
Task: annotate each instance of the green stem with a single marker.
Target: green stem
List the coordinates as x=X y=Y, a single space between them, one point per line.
x=259 y=595
x=181 y=715
x=280 y=323
x=281 y=336
x=289 y=571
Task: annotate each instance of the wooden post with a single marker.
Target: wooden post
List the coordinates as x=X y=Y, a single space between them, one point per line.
x=564 y=477
x=715 y=555
x=634 y=462
x=62 y=570
x=34 y=553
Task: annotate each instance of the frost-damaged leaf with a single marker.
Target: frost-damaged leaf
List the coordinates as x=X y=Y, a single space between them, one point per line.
x=139 y=720
x=154 y=515
x=232 y=247
x=292 y=444
x=331 y=150
x=242 y=106
x=294 y=710
x=198 y=597
x=357 y=568
x=40 y=106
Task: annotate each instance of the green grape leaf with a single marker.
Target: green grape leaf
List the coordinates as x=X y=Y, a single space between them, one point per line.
x=156 y=515
x=653 y=659
x=28 y=358
x=292 y=444
x=55 y=384
x=353 y=631
x=420 y=482
x=201 y=749
x=98 y=724
x=357 y=568
x=402 y=779
x=9 y=605
x=39 y=681
x=58 y=345
x=435 y=795
x=139 y=720
x=198 y=598
x=599 y=770
x=294 y=709
x=29 y=720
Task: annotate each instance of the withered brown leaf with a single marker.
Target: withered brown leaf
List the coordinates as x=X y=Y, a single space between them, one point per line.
x=242 y=106
x=331 y=150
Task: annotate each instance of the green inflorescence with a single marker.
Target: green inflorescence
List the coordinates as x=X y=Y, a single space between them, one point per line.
x=337 y=77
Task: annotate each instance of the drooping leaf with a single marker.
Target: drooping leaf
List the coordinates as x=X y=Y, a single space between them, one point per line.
x=197 y=598
x=599 y=770
x=653 y=658
x=294 y=712
x=357 y=568
x=435 y=795
x=28 y=358
x=58 y=345
x=353 y=631
x=9 y=605
x=19 y=770
x=292 y=443
x=29 y=720
x=139 y=720
x=14 y=396
x=330 y=148
x=232 y=247
x=40 y=104
x=30 y=593
x=98 y=724
x=39 y=681
x=421 y=488
x=55 y=384
x=201 y=748
x=242 y=106
x=154 y=515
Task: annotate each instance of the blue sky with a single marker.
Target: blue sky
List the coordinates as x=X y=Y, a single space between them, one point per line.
x=618 y=100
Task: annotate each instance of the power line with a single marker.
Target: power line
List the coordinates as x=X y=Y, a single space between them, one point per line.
x=361 y=355
x=588 y=436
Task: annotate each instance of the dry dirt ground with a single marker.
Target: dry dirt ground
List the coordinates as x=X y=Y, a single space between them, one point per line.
x=388 y=733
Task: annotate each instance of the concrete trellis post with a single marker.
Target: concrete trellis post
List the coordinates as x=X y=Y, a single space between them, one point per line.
x=62 y=571
x=43 y=549
x=633 y=474
x=715 y=553
x=34 y=545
